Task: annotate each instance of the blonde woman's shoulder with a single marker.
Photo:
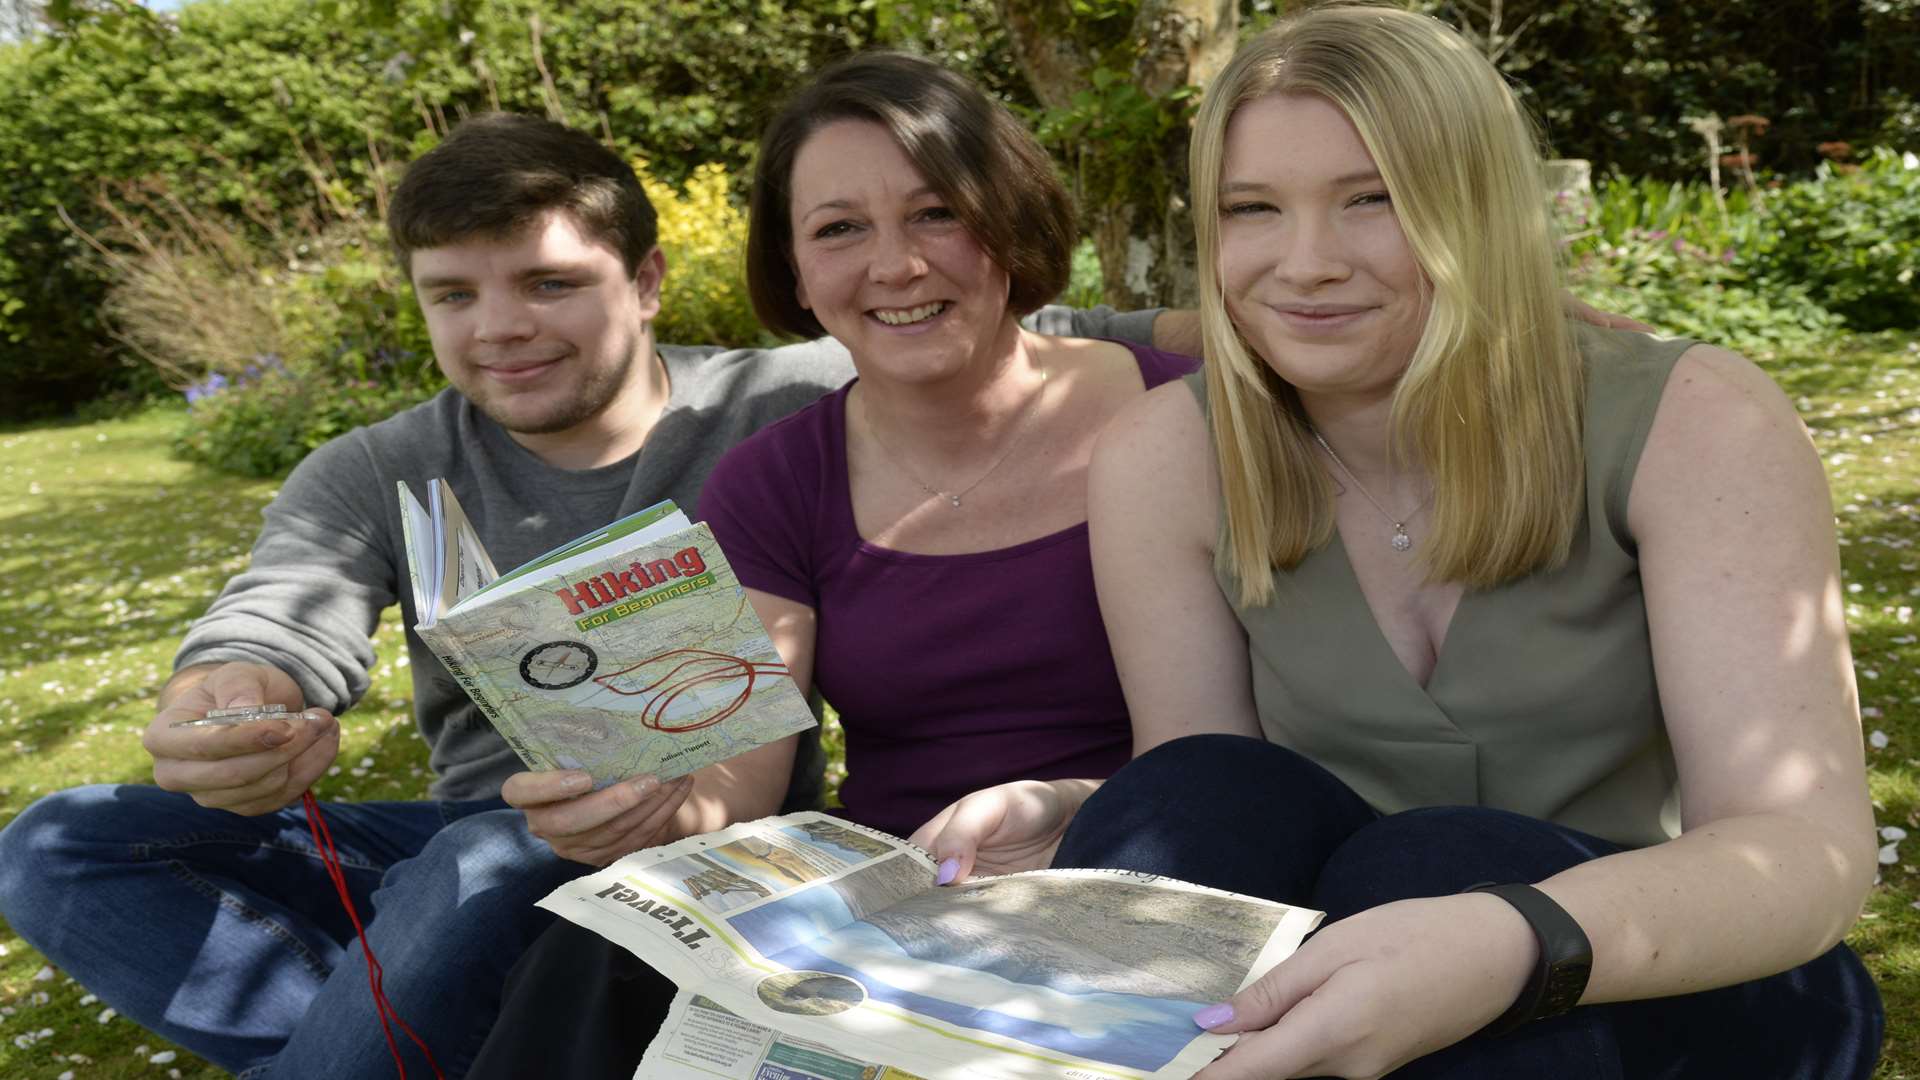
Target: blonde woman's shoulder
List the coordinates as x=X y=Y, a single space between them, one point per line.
x=1724 y=430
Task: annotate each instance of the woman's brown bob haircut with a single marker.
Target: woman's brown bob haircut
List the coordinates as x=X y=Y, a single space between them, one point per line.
x=498 y=173
x=983 y=163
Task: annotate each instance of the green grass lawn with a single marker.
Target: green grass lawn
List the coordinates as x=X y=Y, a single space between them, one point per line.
x=109 y=547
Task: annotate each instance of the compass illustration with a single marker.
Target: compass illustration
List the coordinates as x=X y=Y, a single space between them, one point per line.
x=558 y=665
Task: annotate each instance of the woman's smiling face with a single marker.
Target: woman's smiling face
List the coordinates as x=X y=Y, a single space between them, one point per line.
x=884 y=264
x=1317 y=274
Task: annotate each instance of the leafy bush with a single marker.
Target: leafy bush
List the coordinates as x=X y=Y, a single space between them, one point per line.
x=355 y=351
x=263 y=423
x=1667 y=255
x=703 y=234
x=1851 y=236
x=275 y=111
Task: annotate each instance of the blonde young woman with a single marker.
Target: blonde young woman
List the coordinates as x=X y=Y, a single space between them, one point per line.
x=1427 y=589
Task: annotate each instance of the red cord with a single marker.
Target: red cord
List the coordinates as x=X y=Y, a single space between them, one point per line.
x=323 y=839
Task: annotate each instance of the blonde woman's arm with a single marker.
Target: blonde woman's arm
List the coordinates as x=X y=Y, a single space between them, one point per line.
x=1737 y=555
x=1180 y=652
x=1153 y=505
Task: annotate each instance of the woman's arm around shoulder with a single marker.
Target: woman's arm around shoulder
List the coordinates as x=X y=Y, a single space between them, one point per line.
x=1153 y=509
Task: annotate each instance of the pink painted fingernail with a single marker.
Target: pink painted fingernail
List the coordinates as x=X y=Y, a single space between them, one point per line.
x=949 y=869
x=576 y=782
x=644 y=785
x=1214 y=1015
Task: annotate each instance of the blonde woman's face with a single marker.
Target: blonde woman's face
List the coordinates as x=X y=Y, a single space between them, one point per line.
x=1318 y=276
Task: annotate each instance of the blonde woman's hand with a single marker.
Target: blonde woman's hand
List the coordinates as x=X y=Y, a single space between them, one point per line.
x=1370 y=993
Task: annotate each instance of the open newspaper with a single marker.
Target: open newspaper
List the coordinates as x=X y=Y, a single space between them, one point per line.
x=808 y=946
x=629 y=650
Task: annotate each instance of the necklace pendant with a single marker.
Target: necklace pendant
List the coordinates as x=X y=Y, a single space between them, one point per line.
x=1401 y=541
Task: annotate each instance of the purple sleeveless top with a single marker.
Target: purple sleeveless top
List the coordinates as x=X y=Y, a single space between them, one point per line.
x=951 y=673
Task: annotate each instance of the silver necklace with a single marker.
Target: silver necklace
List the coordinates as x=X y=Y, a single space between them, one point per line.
x=953 y=497
x=1401 y=541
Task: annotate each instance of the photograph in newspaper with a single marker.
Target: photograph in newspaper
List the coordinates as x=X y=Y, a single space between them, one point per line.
x=1083 y=973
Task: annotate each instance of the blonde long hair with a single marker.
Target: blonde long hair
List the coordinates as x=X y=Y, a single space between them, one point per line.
x=1492 y=401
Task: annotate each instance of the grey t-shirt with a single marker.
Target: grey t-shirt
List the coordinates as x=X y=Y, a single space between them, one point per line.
x=330 y=557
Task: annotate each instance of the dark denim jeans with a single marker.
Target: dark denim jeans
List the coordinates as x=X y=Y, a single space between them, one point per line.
x=223 y=933
x=1254 y=818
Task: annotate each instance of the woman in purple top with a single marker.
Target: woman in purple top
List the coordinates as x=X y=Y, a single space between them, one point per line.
x=915 y=542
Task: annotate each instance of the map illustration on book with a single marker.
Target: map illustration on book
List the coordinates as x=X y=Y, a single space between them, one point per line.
x=629 y=650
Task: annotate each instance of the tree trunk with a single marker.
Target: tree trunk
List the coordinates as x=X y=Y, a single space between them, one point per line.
x=1128 y=170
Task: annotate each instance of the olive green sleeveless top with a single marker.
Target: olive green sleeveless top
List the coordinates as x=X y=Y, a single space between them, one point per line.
x=1542 y=700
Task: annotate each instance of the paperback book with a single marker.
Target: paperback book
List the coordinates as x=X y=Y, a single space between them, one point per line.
x=629 y=650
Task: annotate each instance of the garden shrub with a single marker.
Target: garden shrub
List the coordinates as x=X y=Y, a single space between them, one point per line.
x=1666 y=254
x=1851 y=236
x=703 y=234
x=352 y=349
x=263 y=423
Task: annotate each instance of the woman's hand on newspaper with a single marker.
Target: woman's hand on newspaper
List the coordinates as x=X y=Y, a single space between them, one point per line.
x=1003 y=829
x=1371 y=992
x=596 y=827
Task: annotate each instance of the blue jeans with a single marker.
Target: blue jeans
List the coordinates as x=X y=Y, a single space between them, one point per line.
x=223 y=934
x=1254 y=818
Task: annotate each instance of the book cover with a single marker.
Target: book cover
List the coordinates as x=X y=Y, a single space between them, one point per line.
x=630 y=650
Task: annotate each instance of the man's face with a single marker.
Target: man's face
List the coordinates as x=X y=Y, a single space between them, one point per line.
x=542 y=330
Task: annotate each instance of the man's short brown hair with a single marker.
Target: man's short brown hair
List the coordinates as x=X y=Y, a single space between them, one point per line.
x=984 y=163
x=500 y=172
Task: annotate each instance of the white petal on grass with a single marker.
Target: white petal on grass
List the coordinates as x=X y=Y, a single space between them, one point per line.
x=1890 y=853
x=107 y=1014
x=1892 y=832
x=1878 y=739
x=164 y=1057
x=45 y=974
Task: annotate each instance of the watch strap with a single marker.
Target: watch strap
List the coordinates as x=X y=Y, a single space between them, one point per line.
x=1566 y=958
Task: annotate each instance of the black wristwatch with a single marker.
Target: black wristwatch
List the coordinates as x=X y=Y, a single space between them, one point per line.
x=1566 y=958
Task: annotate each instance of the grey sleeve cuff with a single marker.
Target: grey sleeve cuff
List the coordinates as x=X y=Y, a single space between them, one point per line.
x=1101 y=322
x=328 y=690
